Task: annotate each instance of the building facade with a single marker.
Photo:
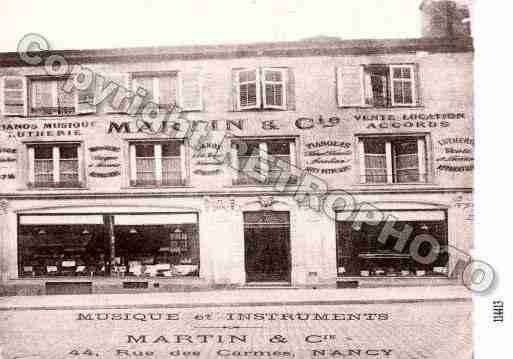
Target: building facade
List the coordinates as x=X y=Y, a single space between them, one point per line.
x=225 y=166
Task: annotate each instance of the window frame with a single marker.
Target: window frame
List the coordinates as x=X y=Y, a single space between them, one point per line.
x=388 y=71
x=55 y=80
x=411 y=80
x=283 y=84
x=263 y=160
x=157 y=157
x=56 y=171
x=261 y=99
x=391 y=158
x=155 y=77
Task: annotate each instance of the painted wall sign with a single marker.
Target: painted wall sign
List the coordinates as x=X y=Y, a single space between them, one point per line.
x=207 y=172
x=409 y=120
x=458 y=155
x=7 y=161
x=105 y=161
x=306 y=123
x=209 y=157
x=171 y=128
x=45 y=129
x=328 y=157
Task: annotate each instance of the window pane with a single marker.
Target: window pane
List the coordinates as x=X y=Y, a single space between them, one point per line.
x=398 y=92
x=376 y=146
x=171 y=173
x=43 y=152
x=170 y=250
x=405 y=147
x=145 y=171
x=42 y=93
x=62 y=250
x=274 y=94
x=68 y=151
x=409 y=175
x=65 y=100
x=170 y=149
x=168 y=90
x=145 y=150
x=407 y=91
x=146 y=82
x=247 y=148
x=278 y=147
x=247 y=76
x=360 y=253
x=275 y=76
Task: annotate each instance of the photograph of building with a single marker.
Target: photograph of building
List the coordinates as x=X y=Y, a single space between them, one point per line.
x=225 y=166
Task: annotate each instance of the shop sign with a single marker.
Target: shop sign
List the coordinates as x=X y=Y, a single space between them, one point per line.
x=307 y=123
x=7 y=160
x=105 y=161
x=328 y=157
x=45 y=129
x=457 y=155
x=416 y=121
x=255 y=328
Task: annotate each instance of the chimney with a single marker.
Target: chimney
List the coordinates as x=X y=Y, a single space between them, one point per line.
x=445 y=18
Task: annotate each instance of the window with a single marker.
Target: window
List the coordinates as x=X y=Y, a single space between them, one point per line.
x=377 y=85
x=161 y=88
x=55 y=165
x=392 y=159
x=362 y=249
x=157 y=163
x=264 y=161
x=48 y=98
x=122 y=245
x=263 y=88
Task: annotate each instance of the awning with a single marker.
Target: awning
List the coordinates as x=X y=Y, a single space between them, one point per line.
x=396 y=215
x=61 y=219
x=154 y=219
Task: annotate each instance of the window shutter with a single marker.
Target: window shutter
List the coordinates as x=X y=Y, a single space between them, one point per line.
x=247 y=89
x=274 y=88
x=191 y=91
x=14 y=90
x=291 y=90
x=122 y=89
x=85 y=99
x=350 y=86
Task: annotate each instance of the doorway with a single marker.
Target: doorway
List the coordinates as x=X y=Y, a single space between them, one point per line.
x=267 y=246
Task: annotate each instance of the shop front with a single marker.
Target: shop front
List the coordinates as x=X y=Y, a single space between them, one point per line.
x=108 y=245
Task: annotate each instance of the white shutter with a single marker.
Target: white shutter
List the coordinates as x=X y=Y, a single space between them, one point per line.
x=191 y=97
x=248 y=89
x=274 y=88
x=14 y=91
x=122 y=88
x=350 y=86
x=85 y=99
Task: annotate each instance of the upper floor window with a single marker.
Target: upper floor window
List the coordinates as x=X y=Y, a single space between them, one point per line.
x=264 y=161
x=263 y=88
x=48 y=98
x=55 y=165
x=393 y=159
x=157 y=163
x=161 y=88
x=377 y=85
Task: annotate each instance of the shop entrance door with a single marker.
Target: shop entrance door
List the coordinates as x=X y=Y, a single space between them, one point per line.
x=267 y=246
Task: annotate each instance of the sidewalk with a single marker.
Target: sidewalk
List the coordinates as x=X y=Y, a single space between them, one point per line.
x=240 y=297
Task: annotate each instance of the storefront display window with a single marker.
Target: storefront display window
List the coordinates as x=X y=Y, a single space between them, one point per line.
x=360 y=253
x=139 y=245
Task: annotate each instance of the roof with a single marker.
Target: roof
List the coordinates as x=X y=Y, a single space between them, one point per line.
x=308 y=47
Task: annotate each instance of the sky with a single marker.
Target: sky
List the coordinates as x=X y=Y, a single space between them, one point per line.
x=130 y=23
